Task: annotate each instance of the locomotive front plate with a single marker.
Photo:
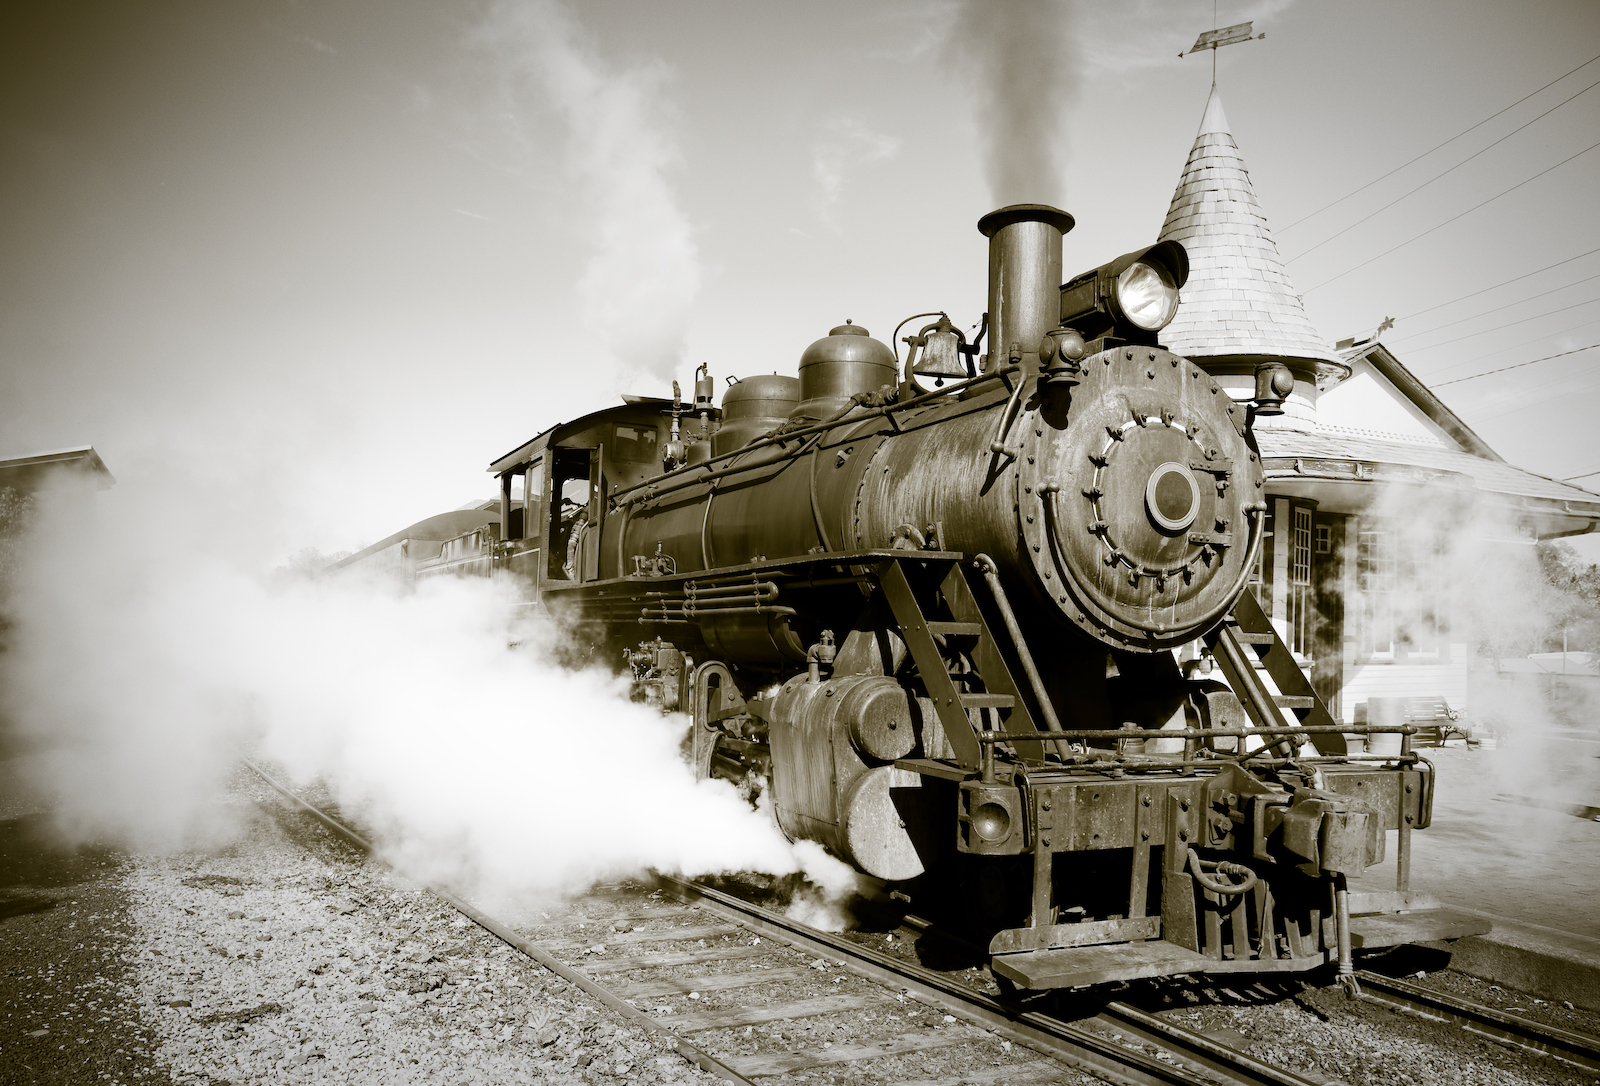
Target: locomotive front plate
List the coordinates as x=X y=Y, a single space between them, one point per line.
x=1141 y=499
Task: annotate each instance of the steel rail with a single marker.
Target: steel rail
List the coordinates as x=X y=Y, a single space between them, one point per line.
x=1084 y=1049
x=1573 y=1048
x=684 y=1048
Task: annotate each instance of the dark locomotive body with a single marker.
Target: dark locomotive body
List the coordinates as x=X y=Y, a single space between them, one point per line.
x=933 y=608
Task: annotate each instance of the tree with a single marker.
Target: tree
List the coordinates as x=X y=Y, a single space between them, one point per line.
x=1573 y=607
x=16 y=516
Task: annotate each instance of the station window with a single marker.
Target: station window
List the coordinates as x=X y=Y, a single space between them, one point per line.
x=1403 y=593
x=1299 y=607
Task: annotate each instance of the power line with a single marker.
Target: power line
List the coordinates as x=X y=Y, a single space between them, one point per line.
x=1517 y=366
x=1502 y=350
x=1507 y=283
x=1564 y=379
x=1585 y=475
x=1528 y=395
x=1453 y=218
x=1496 y=309
x=1437 y=176
x=1537 y=402
x=1430 y=151
x=1508 y=324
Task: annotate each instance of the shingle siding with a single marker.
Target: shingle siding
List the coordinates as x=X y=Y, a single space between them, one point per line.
x=1239 y=300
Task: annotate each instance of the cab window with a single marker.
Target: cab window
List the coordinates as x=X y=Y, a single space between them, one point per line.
x=634 y=444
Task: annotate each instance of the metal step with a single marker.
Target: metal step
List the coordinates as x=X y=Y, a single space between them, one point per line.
x=987 y=701
x=1293 y=701
x=956 y=629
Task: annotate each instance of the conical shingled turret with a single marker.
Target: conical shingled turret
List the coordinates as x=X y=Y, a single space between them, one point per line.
x=1238 y=305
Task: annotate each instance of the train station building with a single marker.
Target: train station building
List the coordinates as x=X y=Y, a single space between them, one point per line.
x=67 y=478
x=1388 y=517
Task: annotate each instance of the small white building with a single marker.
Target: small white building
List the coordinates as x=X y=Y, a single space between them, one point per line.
x=1383 y=503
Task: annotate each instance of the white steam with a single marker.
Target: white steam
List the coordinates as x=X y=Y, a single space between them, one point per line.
x=1017 y=56
x=1445 y=568
x=642 y=271
x=139 y=672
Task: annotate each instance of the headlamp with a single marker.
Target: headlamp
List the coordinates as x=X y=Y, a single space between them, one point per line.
x=1132 y=297
x=1147 y=296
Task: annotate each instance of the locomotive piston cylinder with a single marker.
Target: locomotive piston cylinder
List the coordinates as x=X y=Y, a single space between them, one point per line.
x=1024 y=278
x=834 y=779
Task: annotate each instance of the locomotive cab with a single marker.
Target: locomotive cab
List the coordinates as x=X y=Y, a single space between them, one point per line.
x=553 y=491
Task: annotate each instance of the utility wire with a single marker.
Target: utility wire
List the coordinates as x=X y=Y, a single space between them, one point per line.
x=1496 y=309
x=1508 y=324
x=1518 y=366
x=1585 y=475
x=1531 y=395
x=1437 y=176
x=1502 y=350
x=1521 y=391
x=1453 y=218
x=1430 y=151
x=1506 y=283
x=1535 y=403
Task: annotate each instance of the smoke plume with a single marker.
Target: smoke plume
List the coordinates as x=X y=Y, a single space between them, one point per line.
x=1016 y=56
x=642 y=272
x=138 y=673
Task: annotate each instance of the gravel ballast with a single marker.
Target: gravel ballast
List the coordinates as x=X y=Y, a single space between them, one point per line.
x=290 y=956
x=276 y=963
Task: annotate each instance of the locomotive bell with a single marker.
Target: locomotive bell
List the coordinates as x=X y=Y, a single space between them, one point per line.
x=845 y=363
x=936 y=351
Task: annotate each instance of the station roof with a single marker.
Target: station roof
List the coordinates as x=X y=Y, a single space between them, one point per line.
x=34 y=470
x=1493 y=476
x=1238 y=303
x=1408 y=385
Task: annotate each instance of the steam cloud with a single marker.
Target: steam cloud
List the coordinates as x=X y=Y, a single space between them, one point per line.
x=1463 y=581
x=137 y=673
x=643 y=271
x=1016 y=56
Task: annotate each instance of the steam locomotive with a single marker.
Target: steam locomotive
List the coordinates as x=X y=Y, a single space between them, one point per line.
x=934 y=606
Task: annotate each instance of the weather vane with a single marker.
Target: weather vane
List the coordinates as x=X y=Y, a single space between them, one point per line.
x=1216 y=39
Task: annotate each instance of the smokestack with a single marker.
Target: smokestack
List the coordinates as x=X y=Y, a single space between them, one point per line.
x=1024 y=278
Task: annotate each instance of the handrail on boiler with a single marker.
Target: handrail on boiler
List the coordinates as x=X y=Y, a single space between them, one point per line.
x=681 y=477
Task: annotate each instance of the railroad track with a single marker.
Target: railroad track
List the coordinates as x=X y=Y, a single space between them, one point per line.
x=1574 y=1048
x=1126 y=1046
x=1120 y=1044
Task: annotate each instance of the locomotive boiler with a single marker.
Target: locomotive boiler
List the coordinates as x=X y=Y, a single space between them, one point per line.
x=934 y=606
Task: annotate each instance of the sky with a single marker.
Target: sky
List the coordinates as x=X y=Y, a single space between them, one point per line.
x=315 y=265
